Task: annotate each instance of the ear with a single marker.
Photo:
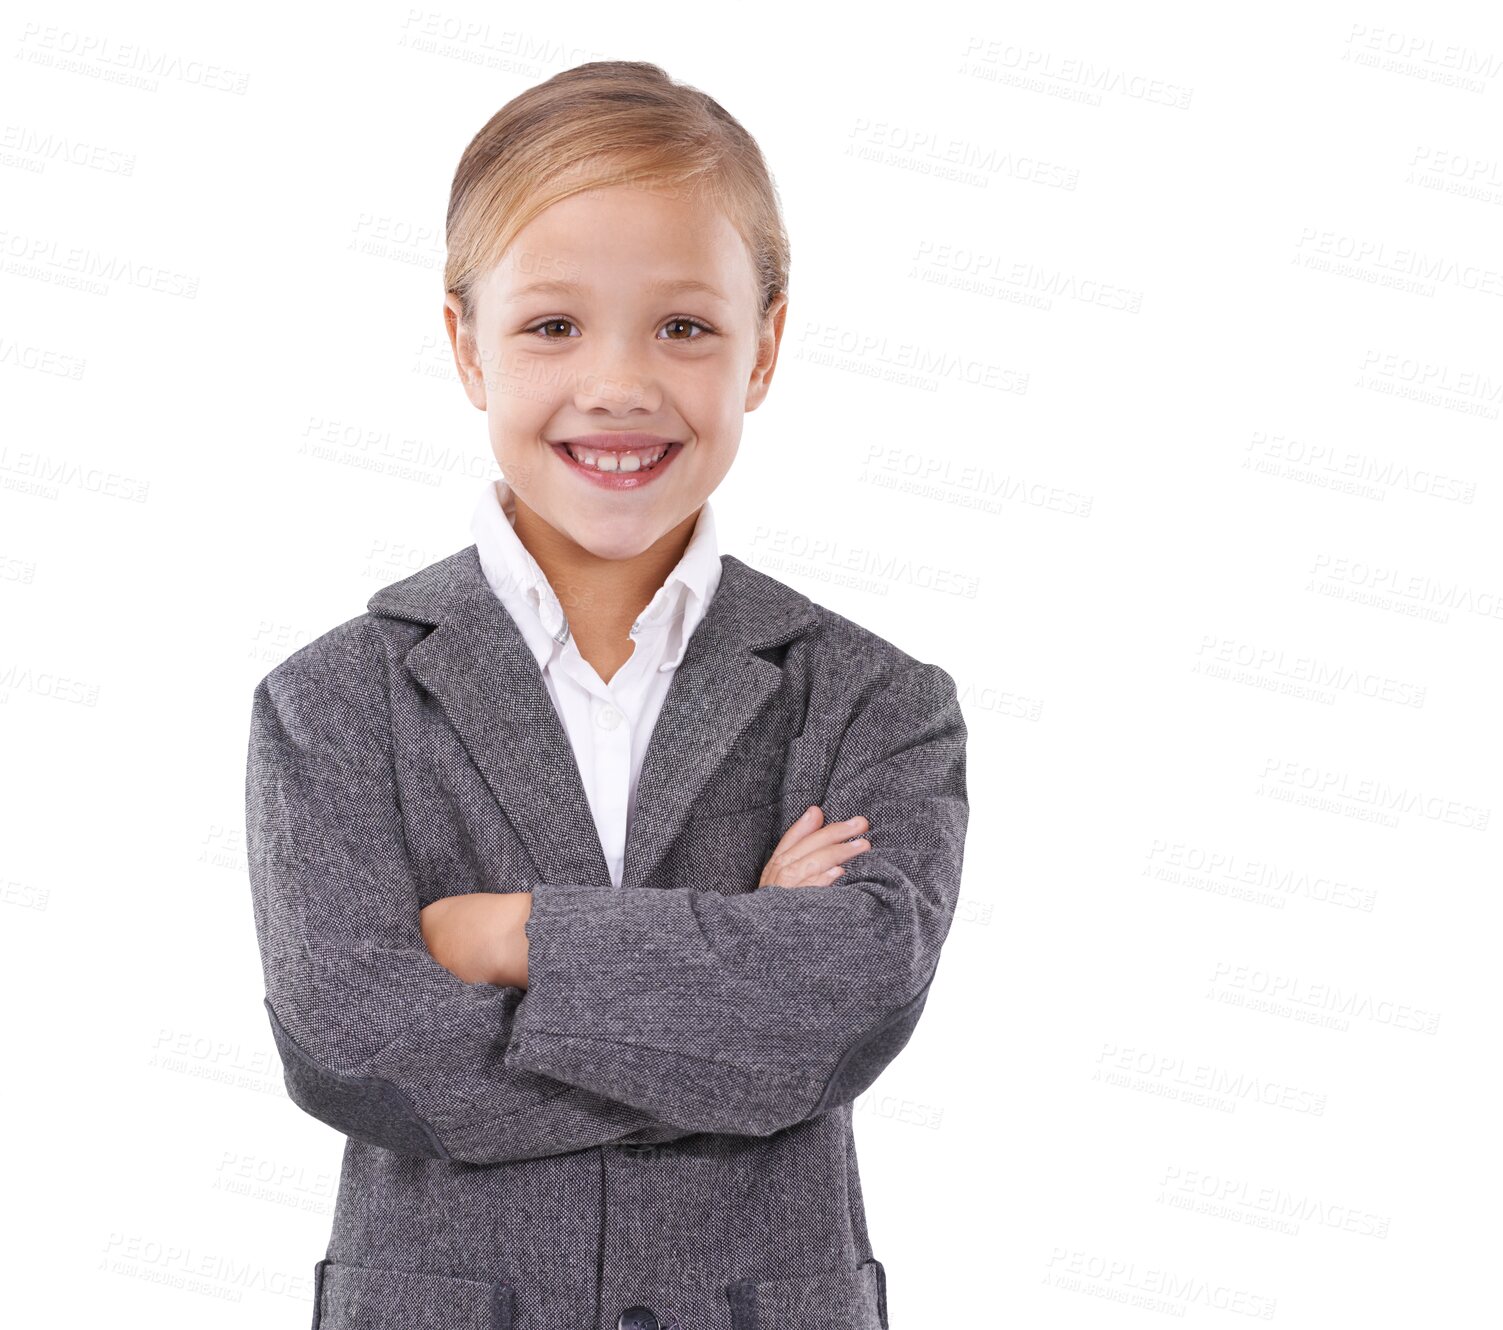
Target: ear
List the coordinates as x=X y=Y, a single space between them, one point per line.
x=466 y=351
x=768 y=342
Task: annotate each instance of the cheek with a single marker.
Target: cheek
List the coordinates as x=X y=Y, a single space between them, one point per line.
x=720 y=462
x=521 y=455
x=714 y=405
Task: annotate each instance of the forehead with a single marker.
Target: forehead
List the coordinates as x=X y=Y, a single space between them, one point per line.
x=622 y=240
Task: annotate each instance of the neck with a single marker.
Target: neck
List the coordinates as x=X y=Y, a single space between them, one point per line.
x=601 y=598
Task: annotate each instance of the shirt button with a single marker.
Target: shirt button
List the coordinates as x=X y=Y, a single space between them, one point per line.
x=638 y=1318
x=609 y=717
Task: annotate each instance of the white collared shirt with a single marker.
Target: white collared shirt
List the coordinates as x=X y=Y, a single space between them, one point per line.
x=608 y=724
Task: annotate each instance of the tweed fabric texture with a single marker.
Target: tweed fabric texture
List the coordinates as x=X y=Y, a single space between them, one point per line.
x=663 y=1117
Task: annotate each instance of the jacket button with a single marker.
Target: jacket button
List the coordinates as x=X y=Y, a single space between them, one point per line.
x=638 y=1318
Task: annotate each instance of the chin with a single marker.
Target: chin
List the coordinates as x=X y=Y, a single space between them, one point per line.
x=613 y=540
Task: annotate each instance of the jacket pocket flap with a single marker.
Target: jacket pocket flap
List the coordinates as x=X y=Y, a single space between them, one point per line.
x=837 y=1300
x=362 y=1297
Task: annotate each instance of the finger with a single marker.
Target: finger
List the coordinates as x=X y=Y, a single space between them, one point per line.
x=828 y=878
x=836 y=852
x=832 y=834
x=807 y=822
x=809 y=866
x=828 y=840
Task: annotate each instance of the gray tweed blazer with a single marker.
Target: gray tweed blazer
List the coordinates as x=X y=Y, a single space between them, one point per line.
x=656 y=1133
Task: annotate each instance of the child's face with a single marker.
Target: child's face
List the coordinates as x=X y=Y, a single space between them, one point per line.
x=609 y=352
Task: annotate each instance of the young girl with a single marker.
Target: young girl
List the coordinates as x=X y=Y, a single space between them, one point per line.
x=596 y=873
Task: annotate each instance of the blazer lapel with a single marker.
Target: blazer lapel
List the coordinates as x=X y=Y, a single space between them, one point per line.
x=477 y=666
x=717 y=690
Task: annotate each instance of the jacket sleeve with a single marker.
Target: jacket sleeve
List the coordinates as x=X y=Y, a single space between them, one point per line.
x=746 y=1013
x=376 y=1038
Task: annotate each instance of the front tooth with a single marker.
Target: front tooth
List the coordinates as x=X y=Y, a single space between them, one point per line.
x=607 y=461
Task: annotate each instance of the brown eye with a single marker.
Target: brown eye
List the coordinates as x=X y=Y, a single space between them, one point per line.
x=688 y=323
x=552 y=323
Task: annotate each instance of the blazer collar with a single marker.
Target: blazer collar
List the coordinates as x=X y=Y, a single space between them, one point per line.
x=485 y=678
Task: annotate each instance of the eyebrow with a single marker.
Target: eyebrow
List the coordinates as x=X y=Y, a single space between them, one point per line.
x=658 y=287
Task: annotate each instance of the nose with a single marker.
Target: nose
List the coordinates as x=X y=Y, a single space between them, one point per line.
x=616 y=378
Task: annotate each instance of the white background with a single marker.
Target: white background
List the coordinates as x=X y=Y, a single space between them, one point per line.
x=1143 y=367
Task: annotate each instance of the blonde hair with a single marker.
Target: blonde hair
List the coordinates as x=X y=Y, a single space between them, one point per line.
x=608 y=122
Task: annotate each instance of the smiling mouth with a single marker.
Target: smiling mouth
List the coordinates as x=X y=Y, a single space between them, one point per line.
x=618 y=460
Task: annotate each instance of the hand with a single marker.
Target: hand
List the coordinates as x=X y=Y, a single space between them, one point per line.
x=810 y=854
x=480 y=937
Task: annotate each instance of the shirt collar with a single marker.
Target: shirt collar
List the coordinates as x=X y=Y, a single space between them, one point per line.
x=519 y=582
